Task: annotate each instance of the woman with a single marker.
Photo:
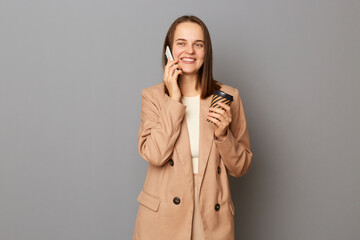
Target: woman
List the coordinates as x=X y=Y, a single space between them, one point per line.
x=186 y=193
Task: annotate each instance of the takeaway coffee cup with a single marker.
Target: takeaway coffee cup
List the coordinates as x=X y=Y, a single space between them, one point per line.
x=220 y=96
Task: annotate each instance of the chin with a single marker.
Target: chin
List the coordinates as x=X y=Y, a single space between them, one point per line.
x=190 y=71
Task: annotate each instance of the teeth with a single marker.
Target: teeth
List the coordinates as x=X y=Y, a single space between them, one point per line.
x=188 y=60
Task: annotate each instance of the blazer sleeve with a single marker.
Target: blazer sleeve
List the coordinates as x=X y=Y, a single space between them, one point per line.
x=159 y=128
x=235 y=148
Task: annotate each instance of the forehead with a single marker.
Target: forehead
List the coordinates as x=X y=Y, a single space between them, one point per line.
x=189 y=31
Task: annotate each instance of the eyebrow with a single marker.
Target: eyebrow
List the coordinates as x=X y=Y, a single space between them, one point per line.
x=182 y=39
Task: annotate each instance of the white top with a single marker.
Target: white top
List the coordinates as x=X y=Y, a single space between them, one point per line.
x=192 y=114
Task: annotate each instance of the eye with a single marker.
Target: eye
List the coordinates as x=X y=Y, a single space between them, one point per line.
x=180 y=43
x=199 y=45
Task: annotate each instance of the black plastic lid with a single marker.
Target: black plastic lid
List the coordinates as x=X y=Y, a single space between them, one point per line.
x=224 y=95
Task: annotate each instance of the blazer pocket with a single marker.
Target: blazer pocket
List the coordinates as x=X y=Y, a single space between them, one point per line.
x=232 y=208
x=149 y=201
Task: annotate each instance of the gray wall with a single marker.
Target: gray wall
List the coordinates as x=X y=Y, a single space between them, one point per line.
x=70 y=95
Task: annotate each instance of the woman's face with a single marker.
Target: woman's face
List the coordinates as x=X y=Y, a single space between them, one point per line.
x=188 y=47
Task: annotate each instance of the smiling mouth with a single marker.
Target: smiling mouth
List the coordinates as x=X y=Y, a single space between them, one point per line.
x=188 y=60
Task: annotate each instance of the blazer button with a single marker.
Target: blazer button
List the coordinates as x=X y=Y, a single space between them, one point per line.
x=219 y=170
x=171 y=162
x=217 y=207
x=176 y=200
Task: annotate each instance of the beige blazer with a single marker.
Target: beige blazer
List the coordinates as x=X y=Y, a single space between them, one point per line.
x=167 y=199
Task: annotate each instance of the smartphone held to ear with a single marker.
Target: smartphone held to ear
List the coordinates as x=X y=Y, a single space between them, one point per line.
x=169 y=55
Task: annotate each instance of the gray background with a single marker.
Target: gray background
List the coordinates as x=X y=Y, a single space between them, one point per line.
x=71 y=77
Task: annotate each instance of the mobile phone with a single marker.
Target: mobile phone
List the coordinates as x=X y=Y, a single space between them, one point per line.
x=169 y=55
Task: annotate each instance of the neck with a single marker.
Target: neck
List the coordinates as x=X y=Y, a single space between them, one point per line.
x=187 y=85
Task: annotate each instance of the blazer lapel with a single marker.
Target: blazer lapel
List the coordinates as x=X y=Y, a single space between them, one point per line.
x=182 y=146
x=206 y=137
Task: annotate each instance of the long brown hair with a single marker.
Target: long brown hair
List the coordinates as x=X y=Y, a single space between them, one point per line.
x=205 y=77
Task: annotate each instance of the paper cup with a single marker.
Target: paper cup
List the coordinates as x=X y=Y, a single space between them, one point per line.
x=220 y=96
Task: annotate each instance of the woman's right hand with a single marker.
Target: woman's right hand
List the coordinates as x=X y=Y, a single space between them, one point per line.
x=170 y=79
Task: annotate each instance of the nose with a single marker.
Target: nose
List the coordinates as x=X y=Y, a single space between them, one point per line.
x=190 y=49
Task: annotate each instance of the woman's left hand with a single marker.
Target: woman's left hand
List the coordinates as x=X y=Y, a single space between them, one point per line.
x=221 y=118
